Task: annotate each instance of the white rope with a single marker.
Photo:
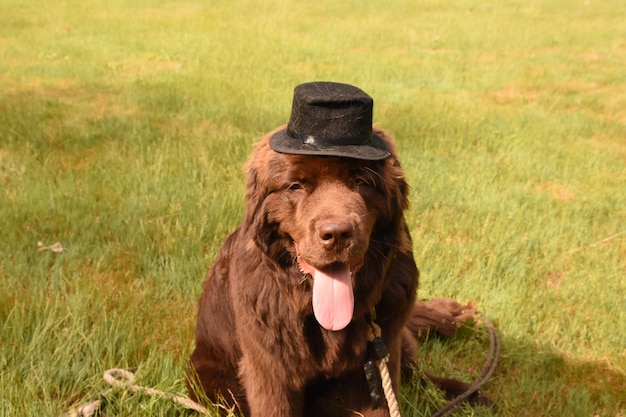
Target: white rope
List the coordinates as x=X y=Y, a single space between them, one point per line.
x=375 y=333
x=124 y=379
x=86 y=410
x=109 y=376
x=392 y=401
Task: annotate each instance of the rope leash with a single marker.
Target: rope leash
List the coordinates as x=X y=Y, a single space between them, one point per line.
x=109 y=376
x=377 y=351
x=121 y=378
x=390 y=396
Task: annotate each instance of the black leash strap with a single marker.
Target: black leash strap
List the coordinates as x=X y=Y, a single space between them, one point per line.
x=493 y=355
x=376 y=351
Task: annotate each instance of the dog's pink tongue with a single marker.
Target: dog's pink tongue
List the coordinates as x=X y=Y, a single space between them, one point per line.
x=333 y=299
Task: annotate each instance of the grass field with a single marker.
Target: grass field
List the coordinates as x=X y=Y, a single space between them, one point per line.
x=124 y=128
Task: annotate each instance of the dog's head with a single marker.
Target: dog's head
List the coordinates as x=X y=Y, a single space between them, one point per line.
x=329 y=216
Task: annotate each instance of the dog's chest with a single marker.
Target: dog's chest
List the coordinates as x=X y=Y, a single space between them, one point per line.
x=335 y=353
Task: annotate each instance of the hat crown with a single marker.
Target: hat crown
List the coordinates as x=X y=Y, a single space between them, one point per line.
x=328 y=111
x=330 y=119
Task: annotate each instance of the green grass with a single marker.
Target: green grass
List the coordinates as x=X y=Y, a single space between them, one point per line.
x=124 y=128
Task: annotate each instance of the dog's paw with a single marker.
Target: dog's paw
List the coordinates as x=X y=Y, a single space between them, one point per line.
x=452 y=310
x=441 y=315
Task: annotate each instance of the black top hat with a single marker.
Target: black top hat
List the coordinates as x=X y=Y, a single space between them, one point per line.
x=330 y=119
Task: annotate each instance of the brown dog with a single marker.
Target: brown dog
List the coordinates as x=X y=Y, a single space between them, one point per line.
x=323 y=251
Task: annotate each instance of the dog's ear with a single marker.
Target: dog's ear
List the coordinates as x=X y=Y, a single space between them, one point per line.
x=264 y=231
x=395 y=179
x=258 y=172
x=257 y=189
x=391 y=229
x=258 y=199
x=399 y=187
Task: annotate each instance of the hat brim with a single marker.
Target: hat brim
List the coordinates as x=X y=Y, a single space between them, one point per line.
x=374 y=150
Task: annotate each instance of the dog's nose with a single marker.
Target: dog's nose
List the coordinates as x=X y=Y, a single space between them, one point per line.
x=335 y=235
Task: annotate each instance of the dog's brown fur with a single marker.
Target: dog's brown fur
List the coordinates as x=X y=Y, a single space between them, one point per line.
x=257 y=341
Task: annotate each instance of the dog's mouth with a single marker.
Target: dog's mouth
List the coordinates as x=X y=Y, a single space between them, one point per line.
x=333 y=297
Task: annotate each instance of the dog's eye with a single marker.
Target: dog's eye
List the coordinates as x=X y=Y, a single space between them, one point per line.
x=361 y=182
x=295 y=186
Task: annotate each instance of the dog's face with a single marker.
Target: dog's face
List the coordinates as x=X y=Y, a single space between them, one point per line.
x=324 y=214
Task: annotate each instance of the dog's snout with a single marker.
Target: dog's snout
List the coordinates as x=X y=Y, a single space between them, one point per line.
x=335 y=235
